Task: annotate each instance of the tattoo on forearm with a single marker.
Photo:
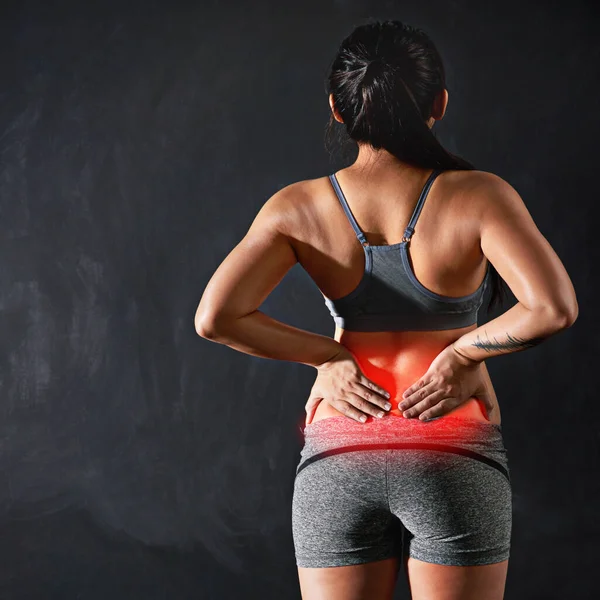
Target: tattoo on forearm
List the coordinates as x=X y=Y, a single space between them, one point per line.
x=511 y=343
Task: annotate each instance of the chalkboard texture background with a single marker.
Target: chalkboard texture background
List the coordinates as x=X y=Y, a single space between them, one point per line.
x=138 y=140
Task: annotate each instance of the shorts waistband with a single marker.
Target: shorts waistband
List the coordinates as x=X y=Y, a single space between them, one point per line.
x=465 y=436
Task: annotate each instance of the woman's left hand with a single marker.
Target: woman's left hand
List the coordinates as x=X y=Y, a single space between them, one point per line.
x=450 y=380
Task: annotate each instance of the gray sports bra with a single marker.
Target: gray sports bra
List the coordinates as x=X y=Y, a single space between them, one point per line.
x=389 y=297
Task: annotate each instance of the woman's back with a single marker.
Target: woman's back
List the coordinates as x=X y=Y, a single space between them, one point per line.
x=444 y=256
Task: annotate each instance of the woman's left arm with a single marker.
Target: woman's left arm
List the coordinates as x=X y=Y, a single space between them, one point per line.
x=228 y=311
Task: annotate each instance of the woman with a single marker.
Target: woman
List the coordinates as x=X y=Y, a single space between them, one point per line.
x=402 y=244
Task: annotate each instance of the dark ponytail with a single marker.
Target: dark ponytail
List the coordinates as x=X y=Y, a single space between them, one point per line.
x=384 y=80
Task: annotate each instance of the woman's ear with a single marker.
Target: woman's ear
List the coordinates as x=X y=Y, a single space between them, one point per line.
x=438 y=110
x=336 y=114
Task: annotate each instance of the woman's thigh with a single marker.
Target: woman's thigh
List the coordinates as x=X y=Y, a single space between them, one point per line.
x=457 y=512
x=375 y=580
x=430 y=581
x=347 y=542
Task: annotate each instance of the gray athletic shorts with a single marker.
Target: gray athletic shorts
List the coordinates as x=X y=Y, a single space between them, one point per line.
x=437 y=490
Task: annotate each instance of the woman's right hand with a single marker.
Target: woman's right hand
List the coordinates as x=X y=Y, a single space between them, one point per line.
x=341 y=383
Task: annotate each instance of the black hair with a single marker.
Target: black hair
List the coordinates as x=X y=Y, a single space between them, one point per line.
x=384 y=80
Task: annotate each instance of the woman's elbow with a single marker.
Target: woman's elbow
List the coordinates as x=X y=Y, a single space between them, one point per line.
x=566 y=316
x=571 y=316
x=205 y=325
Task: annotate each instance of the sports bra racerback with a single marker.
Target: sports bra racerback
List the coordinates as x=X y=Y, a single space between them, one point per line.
x=389 y=297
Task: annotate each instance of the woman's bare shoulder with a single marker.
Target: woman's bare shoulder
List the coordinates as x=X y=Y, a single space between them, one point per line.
x=295 y=205
x=486 y=194
x=477 y=181
x=298 y=192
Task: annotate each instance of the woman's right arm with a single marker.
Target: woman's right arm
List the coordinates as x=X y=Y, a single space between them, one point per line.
x=546 y=301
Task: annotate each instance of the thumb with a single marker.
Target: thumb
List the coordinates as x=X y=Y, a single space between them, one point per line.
x=486 y=399
x=311 y=407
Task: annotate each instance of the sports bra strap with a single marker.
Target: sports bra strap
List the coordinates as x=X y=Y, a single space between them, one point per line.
x=413 y=220
x=338 y=190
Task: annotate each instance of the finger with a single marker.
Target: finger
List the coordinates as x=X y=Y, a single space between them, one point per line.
x=355 y=407
x=348 y=410
x=414 y=388
x=373 y=397
x=362 y=404
x=424 y=390
x=428 y=402
x=441 y=408
x=364 y=381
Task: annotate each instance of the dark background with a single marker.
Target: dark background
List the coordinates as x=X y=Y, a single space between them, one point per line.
x=138 y=142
